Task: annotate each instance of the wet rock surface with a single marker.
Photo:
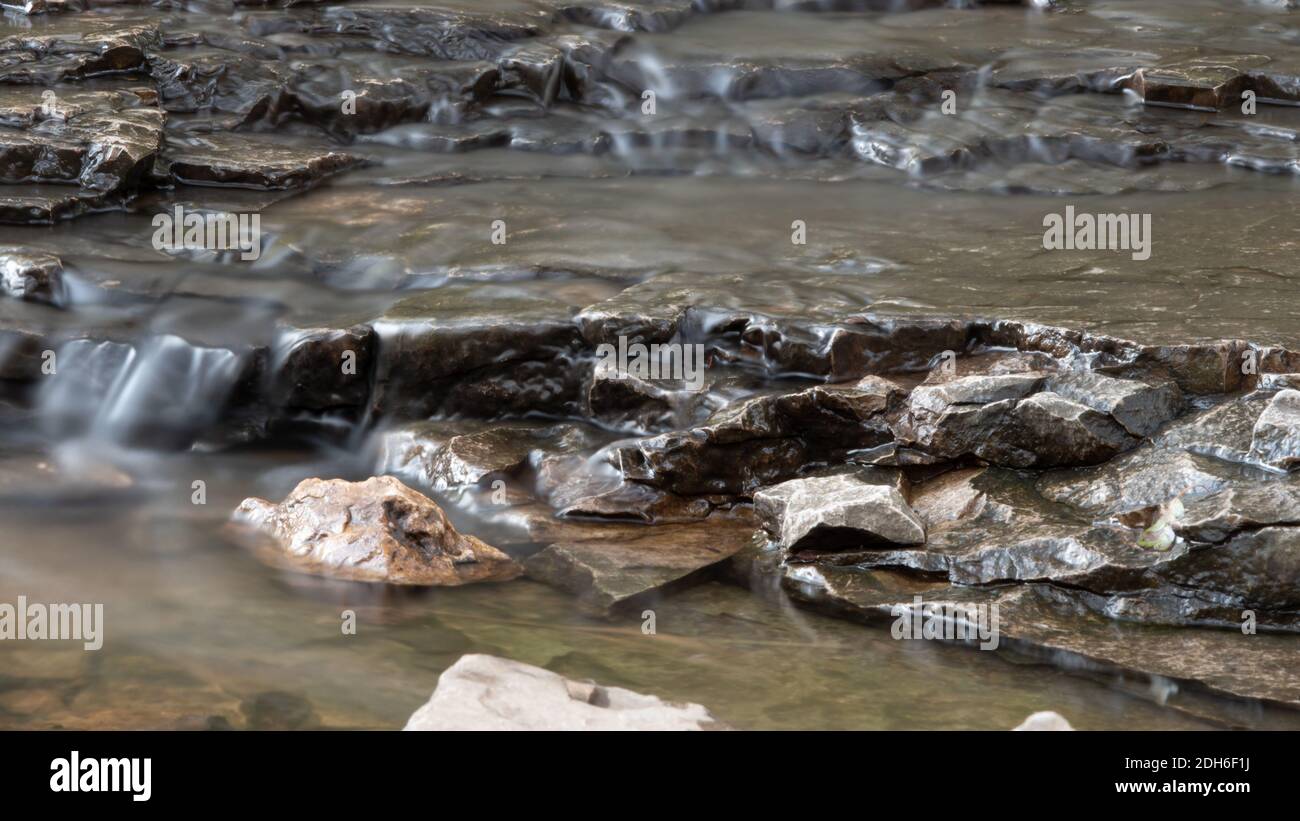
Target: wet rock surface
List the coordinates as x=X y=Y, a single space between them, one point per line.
x=848 y=509
x=1033 y=419
x=757 y=441
x=1275 y=439
x=446 y=455
x=1042 y=621
x=229 y=160
x=378 y=530
x=461 y=203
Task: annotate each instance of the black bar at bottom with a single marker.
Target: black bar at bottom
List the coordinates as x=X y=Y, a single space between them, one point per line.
x=332 y=770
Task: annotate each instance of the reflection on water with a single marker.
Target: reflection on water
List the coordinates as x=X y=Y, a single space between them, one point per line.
x=198 y=631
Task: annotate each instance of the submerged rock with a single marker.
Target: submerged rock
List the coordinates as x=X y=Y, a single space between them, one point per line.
x=482 y=692
x=758 y=441
x=612 y=566
x=378 y=530
x=444 y=34
x=277 y=710
x=28 y=480
x=244 y=162
x=1035 y=419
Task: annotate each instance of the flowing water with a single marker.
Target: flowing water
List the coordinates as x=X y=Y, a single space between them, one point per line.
x=767 y=115
x=199 y=634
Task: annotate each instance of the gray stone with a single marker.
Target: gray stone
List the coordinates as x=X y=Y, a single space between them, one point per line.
x=1247 y=506
x=1033 y=418
x=1275 y=439
x=615 y=566
x=445 y=454
x=1049 y=622
x=1139 y=407
x=844 y=510
x=1149 y=475
x=765 y=439
x=481 y=692
x=949 y=497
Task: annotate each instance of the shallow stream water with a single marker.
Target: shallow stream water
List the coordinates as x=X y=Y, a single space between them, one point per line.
x=96 y=475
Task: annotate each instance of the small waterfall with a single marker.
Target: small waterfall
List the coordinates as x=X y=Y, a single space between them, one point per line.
x=162 y=392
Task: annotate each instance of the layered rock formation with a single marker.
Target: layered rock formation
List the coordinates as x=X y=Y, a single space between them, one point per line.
x=904 y=392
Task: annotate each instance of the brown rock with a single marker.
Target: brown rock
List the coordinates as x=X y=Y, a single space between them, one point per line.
x=613 y=566
x=378 y=530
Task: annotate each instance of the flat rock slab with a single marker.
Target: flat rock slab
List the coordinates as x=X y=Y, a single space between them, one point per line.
x=241 y=161
x=378 y=530
x=481 y=692
x=31 y=480
x=1200 y=83
x=616 y=566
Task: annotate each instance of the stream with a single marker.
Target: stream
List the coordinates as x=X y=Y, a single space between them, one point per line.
x=458 y=202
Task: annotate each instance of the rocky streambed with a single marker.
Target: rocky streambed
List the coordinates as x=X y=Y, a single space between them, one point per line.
x=413 y=403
